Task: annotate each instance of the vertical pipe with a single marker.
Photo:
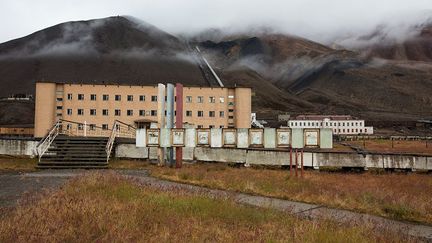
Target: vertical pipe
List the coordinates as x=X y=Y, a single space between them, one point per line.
x=179 y=121
x=291 y=161
x=296 y=163
x=170 y=119
x=161 y=118
x=302 y=170
x=85 y=128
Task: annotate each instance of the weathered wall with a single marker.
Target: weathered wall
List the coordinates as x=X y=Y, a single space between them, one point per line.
x=279 y=158
x=18 y=147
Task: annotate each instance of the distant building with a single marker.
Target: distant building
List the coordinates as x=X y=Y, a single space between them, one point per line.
x=340 y=124
x=99 y=105
x=26 y=130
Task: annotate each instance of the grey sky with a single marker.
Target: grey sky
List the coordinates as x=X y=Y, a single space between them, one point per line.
x=319 y=20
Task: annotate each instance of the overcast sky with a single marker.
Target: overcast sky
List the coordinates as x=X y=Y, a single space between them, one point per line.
x=314 y=19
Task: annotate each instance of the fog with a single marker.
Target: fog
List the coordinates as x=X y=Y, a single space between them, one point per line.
x=328 y=21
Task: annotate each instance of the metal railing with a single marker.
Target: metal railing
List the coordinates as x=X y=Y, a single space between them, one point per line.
x=71 y=128
x=45 y=143
x=119 y=129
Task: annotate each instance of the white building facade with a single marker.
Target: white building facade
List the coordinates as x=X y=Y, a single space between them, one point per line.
x=340 y=125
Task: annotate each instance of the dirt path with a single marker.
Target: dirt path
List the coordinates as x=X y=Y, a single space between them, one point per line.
x=14 y=186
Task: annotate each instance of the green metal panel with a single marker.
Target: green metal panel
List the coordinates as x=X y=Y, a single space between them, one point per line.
x=326 y=138
x=297 y=138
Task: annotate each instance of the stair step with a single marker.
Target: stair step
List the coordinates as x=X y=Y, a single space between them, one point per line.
x=71 y=167
x=53 y=158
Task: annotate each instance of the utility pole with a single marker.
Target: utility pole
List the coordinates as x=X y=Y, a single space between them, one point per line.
x=170 y=120
x=161 y=119
x=179 y=121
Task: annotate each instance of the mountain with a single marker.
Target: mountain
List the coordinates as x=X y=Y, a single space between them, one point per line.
x=115 y=49
x=287 y=73
x=319 y=79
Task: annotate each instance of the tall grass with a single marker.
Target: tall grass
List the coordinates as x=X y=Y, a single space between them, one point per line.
x=107 y=208
x=397 y=196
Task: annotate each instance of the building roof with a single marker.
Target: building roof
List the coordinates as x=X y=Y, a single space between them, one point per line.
x=322 y=117
x=95 y=82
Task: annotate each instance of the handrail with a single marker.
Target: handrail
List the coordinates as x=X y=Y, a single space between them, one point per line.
x=114 y=133
x=45 y=143
x=111 y=139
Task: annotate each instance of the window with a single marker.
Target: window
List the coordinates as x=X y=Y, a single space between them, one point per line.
x=222 y=99
x=118 y=97
x=105 y=112
x=230 y=110
x=142 y=97
x=80 y=96
x=200 y=113
x=69 y=96
x=212 y=99
x=154 y=98
x=200 y=126
x=200 y=99
x=68 y=126
x=130 y=97
x=59 y=99
x=230 y=117
x=59 y=107
x=211 y=126
x=117 y=112
x=212 y=114
x=153 y=113
x=230 y=96
x=69 y=112
x=189 y=113
x=130 y=112
x=104 y=126
x=92 y=127
x=105 y=97
x=188 y=99
x=221 y=126
x=80 y=127
x=93 y=97
x=221 y=113
x=92 y=112
x=80 y=112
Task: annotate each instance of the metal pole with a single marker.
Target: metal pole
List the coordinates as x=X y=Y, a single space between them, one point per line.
x=161 y=119
x=170 y=120
x=302 y=172
x=179 y=121
x=291 y=162
x=296 y=163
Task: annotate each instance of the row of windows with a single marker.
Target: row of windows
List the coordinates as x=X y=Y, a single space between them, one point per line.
x=92 y=127
x=117 y=112
x=348 y=130
x=154 y=98
x=327 y=123
x=106 y=97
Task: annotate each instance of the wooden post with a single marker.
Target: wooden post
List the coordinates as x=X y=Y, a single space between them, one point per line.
x=179 y=121
x=291 y=162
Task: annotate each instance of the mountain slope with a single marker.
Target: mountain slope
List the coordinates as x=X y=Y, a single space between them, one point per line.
x=115 y=49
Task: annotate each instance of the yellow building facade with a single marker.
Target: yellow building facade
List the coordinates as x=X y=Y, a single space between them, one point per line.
x=99 y=105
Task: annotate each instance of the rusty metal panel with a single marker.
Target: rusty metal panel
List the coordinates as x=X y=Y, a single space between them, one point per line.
x=152 y=137
x=283 y=138
x=256 y=137
x=203 y=137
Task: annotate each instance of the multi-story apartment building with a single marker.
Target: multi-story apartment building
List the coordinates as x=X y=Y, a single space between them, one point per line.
x=99 y=105
x=341 y=125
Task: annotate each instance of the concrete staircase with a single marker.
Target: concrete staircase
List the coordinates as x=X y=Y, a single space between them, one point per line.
x=68 y=152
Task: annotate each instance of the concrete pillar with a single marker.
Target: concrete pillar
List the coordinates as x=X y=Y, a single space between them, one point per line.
x=161 y=118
